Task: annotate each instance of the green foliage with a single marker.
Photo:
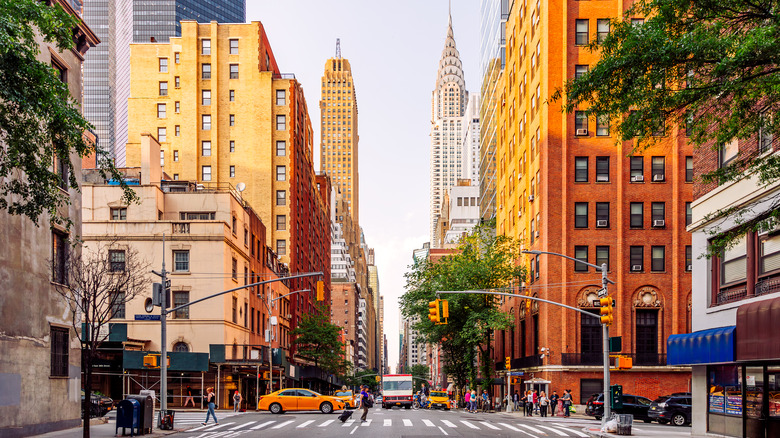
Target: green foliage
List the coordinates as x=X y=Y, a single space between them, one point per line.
x=363 y=377
x=40 y=123
x=420 y=373
x=709 y=65
x=482 y=261
x=317 y=340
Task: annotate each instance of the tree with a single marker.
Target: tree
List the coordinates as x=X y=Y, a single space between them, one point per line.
x=363 y=377
x=317 y=340
x=483 y=260
x=40 y=124
x=712 y=67
x=96 y=283
x=420 y=373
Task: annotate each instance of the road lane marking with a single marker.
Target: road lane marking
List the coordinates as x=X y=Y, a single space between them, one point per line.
x=348 y=423
x=281 y=425
x=243 y=425
x=443 y=431
x=233 y=434
x=263 y=424
x=531 y=428
x=367 y=423
x=485 y=423
x=407 y=422
x=449 y=423
x=305 y=423
x=219 y=426
x=388 y=422
x=576 y=432
x=326 y=423
x=428 y=423
x=353 y=430
x=554 y=430
x=469 y=424
x=511 y=427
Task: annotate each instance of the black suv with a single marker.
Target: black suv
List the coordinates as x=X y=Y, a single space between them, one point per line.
x=675 y=408
x=632 y=404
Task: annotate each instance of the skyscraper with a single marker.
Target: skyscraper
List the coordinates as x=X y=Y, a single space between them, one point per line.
x=449 y=101
x=107 y=67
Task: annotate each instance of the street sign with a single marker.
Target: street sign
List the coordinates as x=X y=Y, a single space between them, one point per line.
x=515 y=373
x=147 y=317
x=602 y=292
x=167 y=283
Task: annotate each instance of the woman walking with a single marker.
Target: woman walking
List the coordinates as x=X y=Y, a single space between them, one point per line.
x=473 y=401
x=467 y=399
x=211 y=399
x=529 y=403
x=543 y=402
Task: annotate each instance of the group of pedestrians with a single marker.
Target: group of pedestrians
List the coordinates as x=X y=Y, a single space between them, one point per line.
x=475 y=402
x=539 y=402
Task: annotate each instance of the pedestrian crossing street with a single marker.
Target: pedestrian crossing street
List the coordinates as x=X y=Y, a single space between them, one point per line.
x=231 y=427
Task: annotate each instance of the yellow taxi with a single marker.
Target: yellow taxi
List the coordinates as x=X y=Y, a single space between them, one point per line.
x=347 y=396
x=299 y=399
x=439 y=399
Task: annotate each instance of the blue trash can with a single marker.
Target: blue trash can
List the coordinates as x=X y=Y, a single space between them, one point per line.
x=128 y=415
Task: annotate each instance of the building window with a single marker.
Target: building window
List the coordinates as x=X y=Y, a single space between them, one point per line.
x=205 y=71
x=232 y=171
x=116 y=259
x=235 y=315
x=175 y=155
x=281 y=222
x=602 y=169
x=117 y=304
x=281 y=173
x=769 y=254
x=602 y=256
x=232 y=95
x=281 y=247
x=177 y=57
x=602 y=126
x=60 y=348
x=205 y=97
x=162 y=135
x=281 y=197
x=205 y=174
x=232 y=120
x=688 y=169
x=181 y=347
x=658 y=261
x=232 y=146
x=177 y=107
x=688 y=213
x=233 y=71
x=205 y=148
x=163 y=88
x=205 y=122
x=181 y=261
x=658 y=211
x=659 y=168
x=580 y=215
x=688 y=258
x=580 y=169
x=581 y=253
x=637 y=169
x=161 y=111
x=580 y=123
x=177 y=82
x=162 y=158
x=234 y=47
x=734 y=263
x=205 y=47
x=728 y=152
x=281 y=148
x=637 y=215
x=580 y=70
x=59 y=256
x=602 y=214
x=581 y=32
x=637 y=258
x=602 y=29
x=177 y=130
x=281 y=122
x=281 y=97
x=119 y=214
x=234 y=270
x=163 y=64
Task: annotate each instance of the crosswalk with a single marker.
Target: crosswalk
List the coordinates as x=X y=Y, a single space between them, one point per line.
x=230 y=428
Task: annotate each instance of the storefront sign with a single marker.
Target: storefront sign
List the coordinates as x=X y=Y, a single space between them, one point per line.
x=717 y=404
x=734 y=404
x=147 y=317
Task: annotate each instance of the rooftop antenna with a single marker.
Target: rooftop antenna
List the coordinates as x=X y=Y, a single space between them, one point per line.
x=338 y=48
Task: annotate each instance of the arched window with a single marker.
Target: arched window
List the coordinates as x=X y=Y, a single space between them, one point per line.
x=181 y=347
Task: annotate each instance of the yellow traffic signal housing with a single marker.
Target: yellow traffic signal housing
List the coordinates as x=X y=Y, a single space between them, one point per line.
x=445 y=309
x=378 y=378
x=433 y=311
x=508 y=362
x=150 y=360
x=320 y=291
x=624 y=363
x=606 y=310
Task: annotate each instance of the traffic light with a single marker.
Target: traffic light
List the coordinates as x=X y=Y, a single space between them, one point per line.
x=320 y=291
x=624 y=363
x=508 y=362
x=445 y=309
x=606 y=310
x=616 y=396
x=433 y=311
x=266 y=375
x=378 y=379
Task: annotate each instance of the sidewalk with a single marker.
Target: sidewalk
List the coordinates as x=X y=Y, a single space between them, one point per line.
x=100 y=429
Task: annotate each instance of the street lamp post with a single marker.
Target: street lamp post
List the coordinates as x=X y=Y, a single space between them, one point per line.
x=604 y=327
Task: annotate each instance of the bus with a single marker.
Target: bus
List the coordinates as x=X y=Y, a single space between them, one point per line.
x=397 y=390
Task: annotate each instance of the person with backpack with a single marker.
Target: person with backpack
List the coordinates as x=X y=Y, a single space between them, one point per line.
x=365 y=402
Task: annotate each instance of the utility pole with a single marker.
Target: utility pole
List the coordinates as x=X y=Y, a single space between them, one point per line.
x=163 y=337
x=605 y=341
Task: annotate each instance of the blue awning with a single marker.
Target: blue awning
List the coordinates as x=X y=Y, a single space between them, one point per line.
x=702 y=347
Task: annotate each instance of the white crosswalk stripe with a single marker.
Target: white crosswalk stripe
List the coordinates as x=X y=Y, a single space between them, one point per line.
x=388 y=422
x=325 y=423
x=367 y=423
x=554 y=430
x=576 y=432
x=449 y=423
x=305 y=423
x=532 y=429
x=281 y=425
x=348 y=423
x=220 y=426
x=510 y=427
x=428 y=423
x=485 y=423
x=261 y=425
x=407 y=422
x=240 y=426
x=469 y=424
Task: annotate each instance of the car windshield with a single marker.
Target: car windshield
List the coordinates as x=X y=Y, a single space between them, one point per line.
x=397 y=385
x=438 y=394
x=344 y=394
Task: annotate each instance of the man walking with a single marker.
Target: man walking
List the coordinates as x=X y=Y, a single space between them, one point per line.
x=364 y=402
x=566 y=402
x=189 y=398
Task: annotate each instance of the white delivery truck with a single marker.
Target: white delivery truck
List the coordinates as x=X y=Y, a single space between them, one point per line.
x=397 y=390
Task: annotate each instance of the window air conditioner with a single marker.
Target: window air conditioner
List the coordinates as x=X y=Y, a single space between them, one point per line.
x=636 y=267
x=537 y=234
x=658 y=177
x=581 y=132
x=601 y=223
x=658 y=222
x=531 y=198
x=689 y=268
x=638 y=178
x=602 y=178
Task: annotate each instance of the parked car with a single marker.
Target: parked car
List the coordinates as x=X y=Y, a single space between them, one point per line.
x=299 y=399
x=635 y=405
x=99 y=405
x=674 y=408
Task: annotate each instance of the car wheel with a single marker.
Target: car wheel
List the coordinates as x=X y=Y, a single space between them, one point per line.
x=275 y=408
x=679 y=419
x=326 y=408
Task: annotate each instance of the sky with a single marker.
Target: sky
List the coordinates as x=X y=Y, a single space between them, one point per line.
x=394 y=49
